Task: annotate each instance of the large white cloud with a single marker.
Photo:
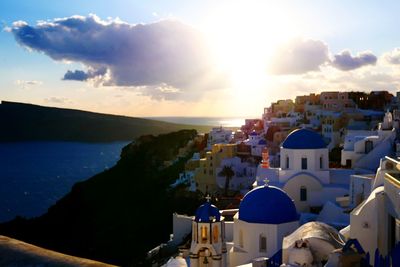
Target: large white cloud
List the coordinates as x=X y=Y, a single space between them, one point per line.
x=299 y=56
x=167 y=53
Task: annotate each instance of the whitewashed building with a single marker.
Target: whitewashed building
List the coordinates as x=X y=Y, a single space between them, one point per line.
x=375 y=223
x=219 y=135
x=363 y=149
x=245 y=174
x=304 y=171
x=266 y=215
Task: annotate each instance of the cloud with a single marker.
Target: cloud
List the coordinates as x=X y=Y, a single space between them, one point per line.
x=80 y=75
x=345 y=61
x=77 y=75
x=27 y=84
x=57 y=100
x=165 y=52
x=299 y=56
x=393 y=57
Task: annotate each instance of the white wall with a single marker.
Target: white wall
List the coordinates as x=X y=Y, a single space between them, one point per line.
x=182 y=225
x=251 y=234
x=364 y=223
x=292 y=188
x=360 y=188
x=312 y=155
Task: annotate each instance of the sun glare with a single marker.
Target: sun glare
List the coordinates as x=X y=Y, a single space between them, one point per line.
x=243 y=36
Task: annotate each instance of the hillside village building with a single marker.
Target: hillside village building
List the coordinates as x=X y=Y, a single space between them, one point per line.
x=219 y=135
x=273 y=219
x=336 y=101
x=363 y=149
x=260 y=225
x=205 y=175
x=375 y=222
x=304 y=173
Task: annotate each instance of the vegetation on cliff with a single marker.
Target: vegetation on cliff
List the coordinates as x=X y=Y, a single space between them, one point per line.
x=117 y=215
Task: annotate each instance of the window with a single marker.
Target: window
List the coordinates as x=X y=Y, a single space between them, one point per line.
x=348 y=163
x=304 y=163
x=321 y=163
x=215 y=234
x=369 y=145
x=303 y=193
x=203 y=230
x=195 y=233
x=287 y=162
x=263 y=243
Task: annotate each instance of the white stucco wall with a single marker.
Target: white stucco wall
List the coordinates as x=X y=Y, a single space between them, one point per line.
x=312 y=155
x=364 y=223
x=312 y=185
x=251 y=235
x=182 y=225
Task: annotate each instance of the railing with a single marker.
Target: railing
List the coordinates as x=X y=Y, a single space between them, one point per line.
x=392 y=259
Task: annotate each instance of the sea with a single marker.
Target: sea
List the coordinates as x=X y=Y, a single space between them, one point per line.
x=209 y=121
x=34 y=175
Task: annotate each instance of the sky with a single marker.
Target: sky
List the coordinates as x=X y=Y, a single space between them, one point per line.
x=193 y=58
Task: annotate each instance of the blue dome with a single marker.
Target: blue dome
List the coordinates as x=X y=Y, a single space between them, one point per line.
x=205 y=211
x=304 y=139
x=253 y=133
x=262 y=142
x=267 y=205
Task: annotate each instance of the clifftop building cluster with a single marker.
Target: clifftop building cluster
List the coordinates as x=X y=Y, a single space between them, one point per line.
x=318 y=180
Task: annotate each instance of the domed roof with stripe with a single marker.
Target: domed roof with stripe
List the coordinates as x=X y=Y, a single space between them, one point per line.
x=267 y=205
x=207 y=213
x=304 y=139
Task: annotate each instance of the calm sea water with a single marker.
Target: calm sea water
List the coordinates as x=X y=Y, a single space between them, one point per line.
x=211 y=121
x=34 y=175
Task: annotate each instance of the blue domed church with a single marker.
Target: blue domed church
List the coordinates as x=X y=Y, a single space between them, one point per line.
x=208 y=247
x=266 y=215
x=304 y=172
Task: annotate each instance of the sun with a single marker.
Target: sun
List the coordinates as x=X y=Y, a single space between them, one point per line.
x=243 y=36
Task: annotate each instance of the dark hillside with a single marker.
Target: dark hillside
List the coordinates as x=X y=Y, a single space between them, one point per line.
x=119 y=214
x=26 y=122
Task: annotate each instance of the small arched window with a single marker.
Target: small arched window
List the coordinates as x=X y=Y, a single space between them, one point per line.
x=304 y=163
x=263 y=243
x=303 y=193
x=215 y=234
x=287 y=162
x=195 y=233
x=321 y=163
x=204 y=237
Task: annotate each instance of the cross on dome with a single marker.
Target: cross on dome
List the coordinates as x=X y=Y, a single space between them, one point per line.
x=266 y=181
x=208 y=198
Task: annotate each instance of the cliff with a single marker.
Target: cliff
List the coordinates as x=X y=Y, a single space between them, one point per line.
x=121 y=213
x=26 y=122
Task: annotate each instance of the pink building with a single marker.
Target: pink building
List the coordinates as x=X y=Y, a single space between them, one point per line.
x=336 y=101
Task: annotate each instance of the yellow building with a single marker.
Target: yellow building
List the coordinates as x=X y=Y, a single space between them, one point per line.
x=205 y=175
